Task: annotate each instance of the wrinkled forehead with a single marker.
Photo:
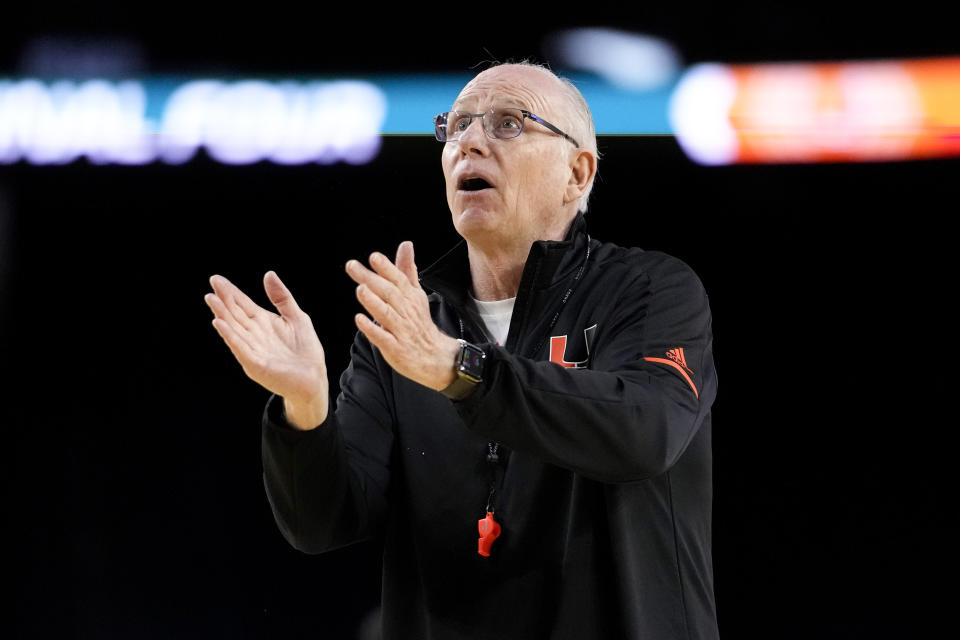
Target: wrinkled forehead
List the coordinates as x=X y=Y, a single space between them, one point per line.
x=527 y=88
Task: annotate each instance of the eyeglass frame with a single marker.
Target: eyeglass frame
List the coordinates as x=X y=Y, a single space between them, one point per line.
x=526 y=114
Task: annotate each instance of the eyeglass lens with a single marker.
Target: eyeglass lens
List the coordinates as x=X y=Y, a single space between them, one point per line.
x=498 y=123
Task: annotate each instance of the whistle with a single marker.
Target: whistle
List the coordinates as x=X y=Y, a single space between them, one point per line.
x=489 y=531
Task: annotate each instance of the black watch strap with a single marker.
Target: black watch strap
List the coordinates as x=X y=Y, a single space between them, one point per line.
x=459 y=389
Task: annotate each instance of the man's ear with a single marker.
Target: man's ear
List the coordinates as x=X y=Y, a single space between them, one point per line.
x=583 y=168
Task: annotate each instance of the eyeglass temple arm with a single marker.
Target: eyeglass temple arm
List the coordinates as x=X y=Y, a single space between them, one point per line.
x=549 y=126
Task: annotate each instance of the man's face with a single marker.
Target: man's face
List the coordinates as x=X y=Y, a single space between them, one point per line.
x=528 y=175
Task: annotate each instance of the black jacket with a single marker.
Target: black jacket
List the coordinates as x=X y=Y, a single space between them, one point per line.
x=602 y=482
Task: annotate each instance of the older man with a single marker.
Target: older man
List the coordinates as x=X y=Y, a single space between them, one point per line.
x=533 y=437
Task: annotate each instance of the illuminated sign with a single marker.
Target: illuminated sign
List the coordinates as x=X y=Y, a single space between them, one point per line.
x=251 y=120
x=235 y=122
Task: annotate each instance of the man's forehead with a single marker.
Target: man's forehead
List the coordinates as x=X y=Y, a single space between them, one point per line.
x=525 y=87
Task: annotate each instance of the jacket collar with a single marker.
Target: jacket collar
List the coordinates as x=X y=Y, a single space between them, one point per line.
x=548 y=262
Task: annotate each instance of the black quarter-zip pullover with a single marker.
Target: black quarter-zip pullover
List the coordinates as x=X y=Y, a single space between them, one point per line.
x=600 y=400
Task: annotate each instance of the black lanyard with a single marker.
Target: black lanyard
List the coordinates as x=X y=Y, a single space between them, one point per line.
x=497 y=472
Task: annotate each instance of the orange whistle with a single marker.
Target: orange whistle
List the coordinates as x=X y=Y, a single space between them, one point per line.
x=489 y=531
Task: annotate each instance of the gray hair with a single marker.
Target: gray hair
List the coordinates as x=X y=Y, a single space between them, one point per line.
x=582 y=127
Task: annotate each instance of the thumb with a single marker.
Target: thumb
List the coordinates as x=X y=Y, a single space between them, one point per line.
x=405 y=262
x=279 y=295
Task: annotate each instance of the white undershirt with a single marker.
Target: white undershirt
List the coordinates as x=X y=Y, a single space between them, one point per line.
x=496 y=317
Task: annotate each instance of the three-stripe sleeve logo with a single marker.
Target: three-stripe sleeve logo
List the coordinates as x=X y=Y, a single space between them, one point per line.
x=678 y=360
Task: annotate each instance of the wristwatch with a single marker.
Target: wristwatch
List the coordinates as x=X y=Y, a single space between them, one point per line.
x=469 y=368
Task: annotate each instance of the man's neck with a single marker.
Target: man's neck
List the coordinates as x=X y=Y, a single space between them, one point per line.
x=497 y=267
x=496 y=276
x=496 y=263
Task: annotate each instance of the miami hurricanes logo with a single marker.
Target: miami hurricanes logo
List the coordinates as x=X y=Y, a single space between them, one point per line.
x=558 y=348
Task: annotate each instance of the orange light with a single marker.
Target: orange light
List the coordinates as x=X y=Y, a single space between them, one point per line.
x=826 y=112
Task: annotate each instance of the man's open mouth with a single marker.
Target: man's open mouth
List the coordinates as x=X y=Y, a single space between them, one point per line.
x=474 y=184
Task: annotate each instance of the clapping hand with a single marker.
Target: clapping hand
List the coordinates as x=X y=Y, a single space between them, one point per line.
x=403 y=330
x=280 y=352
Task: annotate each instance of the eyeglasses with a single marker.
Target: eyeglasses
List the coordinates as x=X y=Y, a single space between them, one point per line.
x=503 y=124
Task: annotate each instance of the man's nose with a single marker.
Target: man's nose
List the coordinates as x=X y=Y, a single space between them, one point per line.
x=473 y=139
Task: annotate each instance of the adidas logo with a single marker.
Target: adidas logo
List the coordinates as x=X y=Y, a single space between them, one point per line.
x=678 y=361
x=677 y=356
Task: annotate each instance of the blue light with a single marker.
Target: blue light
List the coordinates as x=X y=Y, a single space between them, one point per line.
x=413 y=100
x=244 y=120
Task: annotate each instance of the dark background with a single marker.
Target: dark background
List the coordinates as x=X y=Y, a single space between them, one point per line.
x=134 y=499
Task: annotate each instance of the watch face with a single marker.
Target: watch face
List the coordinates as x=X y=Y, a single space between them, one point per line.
x=471 y=362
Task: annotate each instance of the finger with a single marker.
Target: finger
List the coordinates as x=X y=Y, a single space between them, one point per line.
x=240 y=349
x=382 y=265
x=377 y=335
x=406 y=264
x=382 y=287
x=381 y=310
x=216 y=306
x=240 y=305
x=221 y=313
x=231 y=294
x=359 y=273
x=279 y=295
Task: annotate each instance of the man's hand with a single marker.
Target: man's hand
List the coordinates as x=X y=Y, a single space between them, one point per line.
x=280 y=352
x=404 y=331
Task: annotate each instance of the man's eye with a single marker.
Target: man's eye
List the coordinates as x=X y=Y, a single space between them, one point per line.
x=509 y=122
x=461 y=124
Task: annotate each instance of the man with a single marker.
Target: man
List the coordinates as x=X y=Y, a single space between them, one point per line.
x=552 y=481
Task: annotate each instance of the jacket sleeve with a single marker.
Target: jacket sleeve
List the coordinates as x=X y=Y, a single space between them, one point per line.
x=631 y=414
x=327 y=487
